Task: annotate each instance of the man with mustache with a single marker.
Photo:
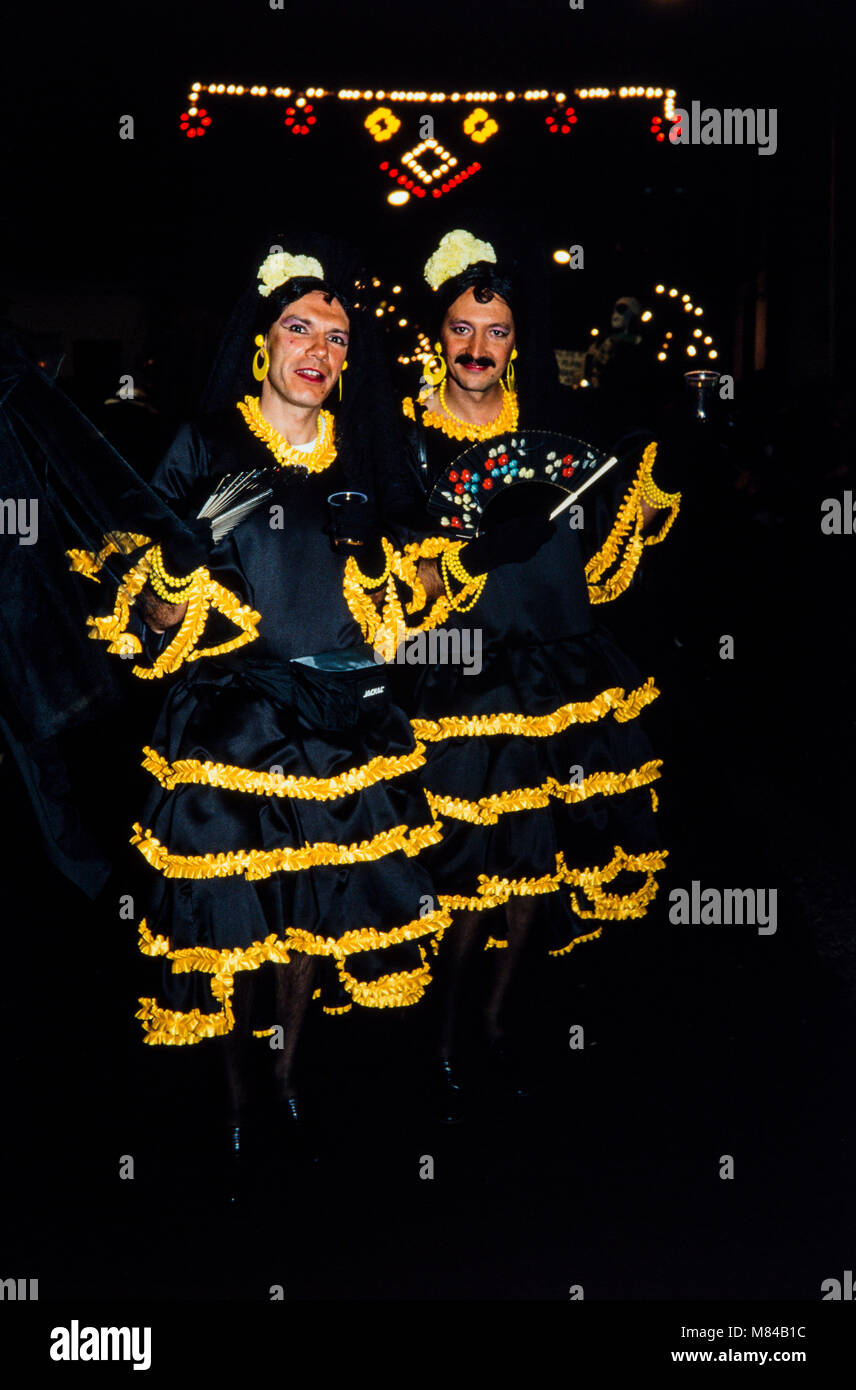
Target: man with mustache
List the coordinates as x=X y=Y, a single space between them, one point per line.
x=539 y=767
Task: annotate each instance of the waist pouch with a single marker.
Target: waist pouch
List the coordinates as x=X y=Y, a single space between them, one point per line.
x=331 y=690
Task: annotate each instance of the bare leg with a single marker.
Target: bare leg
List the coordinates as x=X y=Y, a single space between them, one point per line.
x=465 y=934
x=519 y=914
x=293 y=993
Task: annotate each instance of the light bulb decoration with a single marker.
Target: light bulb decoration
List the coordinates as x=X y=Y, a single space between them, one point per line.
x=420 y=171
x=382 y=124
x=194 y=122
x=561 y=120
x=480 y=125
x=300 y=117
x=685 y=337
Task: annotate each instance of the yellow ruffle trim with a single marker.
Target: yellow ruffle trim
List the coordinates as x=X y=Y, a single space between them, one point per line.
x=613 y=701
x=577 y=941
x=388 y=628
x=614 y=906
x=488 y=809
x=622 y=549
x=205 y=594
x=261 y=863
x=494 y=892
x=389 y=991
x=171 y=1028
x=241 y=779
x=396 y=991
x=88 y=563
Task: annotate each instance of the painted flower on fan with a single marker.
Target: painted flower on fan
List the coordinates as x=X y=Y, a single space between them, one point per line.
x=279 y=266
x=456 y=252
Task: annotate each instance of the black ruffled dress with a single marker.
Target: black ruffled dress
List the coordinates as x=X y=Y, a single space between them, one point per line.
x=538 y=764
x=284 y=815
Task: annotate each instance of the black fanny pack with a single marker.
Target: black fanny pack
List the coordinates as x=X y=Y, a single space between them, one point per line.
x=331 y=690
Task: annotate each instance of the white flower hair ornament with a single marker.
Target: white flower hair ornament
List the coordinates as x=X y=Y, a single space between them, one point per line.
x=456 y=252
x=279 y=266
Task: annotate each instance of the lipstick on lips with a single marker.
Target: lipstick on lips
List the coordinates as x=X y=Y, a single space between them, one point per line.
x=309 y=374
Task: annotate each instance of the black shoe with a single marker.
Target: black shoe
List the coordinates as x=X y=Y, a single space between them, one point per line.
x=233 y=1158
x=301 y=1137
x=451 y=1093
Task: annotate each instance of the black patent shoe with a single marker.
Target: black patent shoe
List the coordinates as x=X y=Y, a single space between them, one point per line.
x=450 y=1093
x=233 y=1163
x=300 y=1137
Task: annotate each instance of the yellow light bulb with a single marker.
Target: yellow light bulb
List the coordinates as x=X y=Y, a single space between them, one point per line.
x=699 y=311
x=708 y=340
x=673 y=294
x=691 y=352
x=696 y=332
x=402 y=323
x=659 y=289
x=661 y=357
x=647 y=315
x=713 y=353
x=561 y=257
x=398 y=197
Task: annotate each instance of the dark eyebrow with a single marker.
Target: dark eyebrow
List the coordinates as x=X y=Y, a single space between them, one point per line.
x=468 y=322
x=298 y=318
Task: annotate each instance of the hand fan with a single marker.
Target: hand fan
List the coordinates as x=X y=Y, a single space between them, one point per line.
x=492 y=467
x=234 y=497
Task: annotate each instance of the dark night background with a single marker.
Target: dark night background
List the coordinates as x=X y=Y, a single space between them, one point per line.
x=705 y=1041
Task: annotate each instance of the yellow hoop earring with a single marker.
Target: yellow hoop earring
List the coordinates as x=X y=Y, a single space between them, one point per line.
x=260 y=367
x=435 y=375
x=510 y=374
x=344 y=369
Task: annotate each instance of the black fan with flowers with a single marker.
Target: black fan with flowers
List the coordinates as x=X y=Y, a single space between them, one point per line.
x=548 y=463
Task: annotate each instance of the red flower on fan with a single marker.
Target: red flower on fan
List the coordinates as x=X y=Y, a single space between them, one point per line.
x=465 y=475
x=459 y=488
x=194 y=125
x=503 y=458
x=489 y=464
x=299 y=119
x=456 y=521
x=453 y=476
x=488 y=483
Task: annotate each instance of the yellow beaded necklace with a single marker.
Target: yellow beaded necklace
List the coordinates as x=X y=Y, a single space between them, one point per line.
x=456 y=428
x=322 y=453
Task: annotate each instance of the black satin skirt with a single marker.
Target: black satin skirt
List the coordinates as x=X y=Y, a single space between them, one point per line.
x=545 y=780
x=265 y=838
